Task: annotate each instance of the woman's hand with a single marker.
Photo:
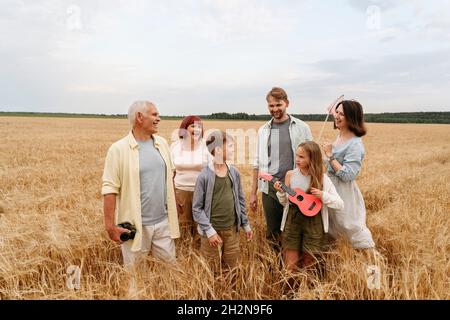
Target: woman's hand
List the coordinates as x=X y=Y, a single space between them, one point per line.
x=317 y=193
x=277 y=186
x=327 y=149
x=249 y=235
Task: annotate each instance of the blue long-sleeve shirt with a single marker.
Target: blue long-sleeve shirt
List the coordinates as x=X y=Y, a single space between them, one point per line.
x=350 y=155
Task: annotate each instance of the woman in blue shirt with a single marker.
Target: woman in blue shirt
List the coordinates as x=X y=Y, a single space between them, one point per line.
x=345 y=156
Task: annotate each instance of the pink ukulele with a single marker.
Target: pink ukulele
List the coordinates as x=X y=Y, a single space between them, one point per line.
x=307 y=203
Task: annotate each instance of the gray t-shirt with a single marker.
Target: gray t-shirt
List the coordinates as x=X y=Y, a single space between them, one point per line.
x=152 y=175
x=281 y=156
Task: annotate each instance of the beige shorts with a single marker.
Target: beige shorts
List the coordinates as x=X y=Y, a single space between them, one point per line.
x=155 y=238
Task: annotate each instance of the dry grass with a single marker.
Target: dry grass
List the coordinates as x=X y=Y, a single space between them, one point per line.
x=51 y=218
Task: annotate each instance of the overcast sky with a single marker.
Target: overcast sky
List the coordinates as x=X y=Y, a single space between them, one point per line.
x=204 y=56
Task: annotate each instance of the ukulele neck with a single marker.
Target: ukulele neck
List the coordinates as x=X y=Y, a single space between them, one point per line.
x=284 y=187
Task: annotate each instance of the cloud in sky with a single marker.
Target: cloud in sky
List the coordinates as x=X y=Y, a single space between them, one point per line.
x=210 y=56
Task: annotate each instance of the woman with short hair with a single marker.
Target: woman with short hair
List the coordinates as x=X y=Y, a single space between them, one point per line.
x=190 y=156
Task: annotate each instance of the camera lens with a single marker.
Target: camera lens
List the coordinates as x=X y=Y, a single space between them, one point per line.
x=124 y=237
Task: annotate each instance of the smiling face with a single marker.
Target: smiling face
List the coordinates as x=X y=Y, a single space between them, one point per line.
x=277 y=108
x=148 y=120
x=195 y=130
x=339 y=118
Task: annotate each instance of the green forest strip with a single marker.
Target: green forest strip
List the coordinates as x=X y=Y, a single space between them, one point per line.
x=400 y=117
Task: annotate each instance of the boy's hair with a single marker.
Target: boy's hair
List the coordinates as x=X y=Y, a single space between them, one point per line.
x=278 y=94
x=354 y=115
x=316 y=167
x=217 y=139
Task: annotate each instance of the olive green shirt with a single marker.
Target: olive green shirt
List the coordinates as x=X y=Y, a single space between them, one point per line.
x=223 y=215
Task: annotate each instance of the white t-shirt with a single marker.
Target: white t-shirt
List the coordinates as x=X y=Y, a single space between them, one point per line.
x=188 y=164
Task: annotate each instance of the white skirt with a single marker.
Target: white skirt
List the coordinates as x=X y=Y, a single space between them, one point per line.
x=351 y=221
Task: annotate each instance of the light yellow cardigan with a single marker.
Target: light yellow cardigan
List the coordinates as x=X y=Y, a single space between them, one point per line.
x=121 y=177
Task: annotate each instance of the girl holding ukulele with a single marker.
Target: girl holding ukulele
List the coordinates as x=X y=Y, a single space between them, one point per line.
x=304 y=237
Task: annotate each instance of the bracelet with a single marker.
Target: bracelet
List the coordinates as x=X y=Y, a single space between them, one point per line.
x=331 y=158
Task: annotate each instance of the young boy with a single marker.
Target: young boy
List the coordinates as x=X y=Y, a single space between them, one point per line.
x=218 y=204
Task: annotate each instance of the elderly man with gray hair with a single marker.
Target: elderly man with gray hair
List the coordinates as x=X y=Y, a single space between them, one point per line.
x=138 y=189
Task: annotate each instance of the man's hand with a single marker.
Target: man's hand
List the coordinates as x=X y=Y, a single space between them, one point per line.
x=114 y=233
x=215 y=240
x=249 y=235
x=253 y=202
x=254 y=191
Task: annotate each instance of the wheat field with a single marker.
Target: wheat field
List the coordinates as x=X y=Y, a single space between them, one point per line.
x=51 y=218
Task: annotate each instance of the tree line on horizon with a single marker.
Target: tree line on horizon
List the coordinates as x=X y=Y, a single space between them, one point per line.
x=391 y=117
x=394 y=117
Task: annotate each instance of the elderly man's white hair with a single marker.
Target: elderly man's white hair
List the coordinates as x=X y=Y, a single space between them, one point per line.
x=137 y=106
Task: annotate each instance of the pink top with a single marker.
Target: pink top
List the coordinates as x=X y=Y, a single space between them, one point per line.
x=188 y=164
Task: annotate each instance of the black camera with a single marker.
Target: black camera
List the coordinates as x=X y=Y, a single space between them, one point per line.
x=127 y=236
